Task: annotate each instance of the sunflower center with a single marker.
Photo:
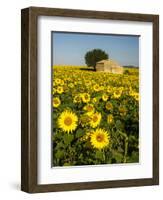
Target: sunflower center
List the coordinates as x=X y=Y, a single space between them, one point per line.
x=95 y=118
x=89 y=108
x=77 y=98
x=100 y=138
x=56 y=102
x=68 y=121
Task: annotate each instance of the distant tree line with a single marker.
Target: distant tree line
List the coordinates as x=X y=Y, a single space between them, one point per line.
x=130 y=66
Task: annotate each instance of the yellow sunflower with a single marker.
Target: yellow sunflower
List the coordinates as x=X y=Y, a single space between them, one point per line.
x=109 y=90
x=57 y=81
x=96 y=88
x=117 y=93
x=62 y=82
x=95 y=119
x=89 y=109
x=99 y=138
x=122 y=110
x=54 y=90
x=77 y=99
x=94 y=100
x=71 y=85
x=56 y=102
x=104 y=97
x=136 y=96
x=110 y=119
x=86 y=136
x=67 y=121
x=109 y=106
x=59 y=89
x=84 y=120
x=85 y=97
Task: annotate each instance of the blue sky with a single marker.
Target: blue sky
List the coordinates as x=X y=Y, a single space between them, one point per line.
x=70 y=48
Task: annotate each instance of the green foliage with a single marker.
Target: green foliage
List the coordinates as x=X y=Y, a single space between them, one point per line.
x=79 y=133
x=67 y=139
x=93 y=56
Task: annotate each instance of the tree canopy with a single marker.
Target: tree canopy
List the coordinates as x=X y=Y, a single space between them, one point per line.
x=93 y=56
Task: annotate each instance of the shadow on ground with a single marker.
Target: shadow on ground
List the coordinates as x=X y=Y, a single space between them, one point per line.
x=15 y=186
x=87 y=69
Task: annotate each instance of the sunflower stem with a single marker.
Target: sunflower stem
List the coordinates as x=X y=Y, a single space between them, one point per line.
x=125 y=146
x=104 y=158
x=126 y=150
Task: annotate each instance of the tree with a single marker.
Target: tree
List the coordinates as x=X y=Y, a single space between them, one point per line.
x=93 y=56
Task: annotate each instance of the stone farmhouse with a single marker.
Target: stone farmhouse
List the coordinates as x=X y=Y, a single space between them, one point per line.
x=109 y=66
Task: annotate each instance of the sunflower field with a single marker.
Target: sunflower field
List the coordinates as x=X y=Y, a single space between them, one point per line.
x=95 y=116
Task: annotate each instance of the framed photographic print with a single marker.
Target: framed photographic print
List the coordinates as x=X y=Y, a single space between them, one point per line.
x=90 y=99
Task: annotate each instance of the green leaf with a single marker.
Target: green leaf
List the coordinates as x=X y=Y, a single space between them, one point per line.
x=66 y=164
x=99 y=155
x=118 y=124
x=59 y=145
x=79 y=133
x=67 y=138
x=134 y=157
x=59 y=154
x=117 y=156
